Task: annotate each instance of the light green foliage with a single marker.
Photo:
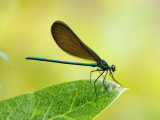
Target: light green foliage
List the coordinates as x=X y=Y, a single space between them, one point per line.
x=0 y=89
x=3 y=56
x=66 y=101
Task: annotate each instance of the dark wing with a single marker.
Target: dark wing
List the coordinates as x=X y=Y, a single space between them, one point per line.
x=68 y=41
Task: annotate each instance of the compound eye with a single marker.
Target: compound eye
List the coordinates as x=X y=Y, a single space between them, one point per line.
x=113 y=68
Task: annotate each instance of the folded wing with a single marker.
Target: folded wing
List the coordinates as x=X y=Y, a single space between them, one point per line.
x=69 y=42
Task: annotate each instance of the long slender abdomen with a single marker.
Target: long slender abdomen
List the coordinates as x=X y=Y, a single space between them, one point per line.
x=63 y=62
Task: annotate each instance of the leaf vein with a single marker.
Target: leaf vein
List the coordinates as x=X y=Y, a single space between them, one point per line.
x=50 y=105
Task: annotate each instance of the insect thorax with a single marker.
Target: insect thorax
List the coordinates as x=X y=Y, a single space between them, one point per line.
x=103 y=65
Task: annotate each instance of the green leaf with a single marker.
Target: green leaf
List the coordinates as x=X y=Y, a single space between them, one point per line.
x=66 y=101
x=4 y=57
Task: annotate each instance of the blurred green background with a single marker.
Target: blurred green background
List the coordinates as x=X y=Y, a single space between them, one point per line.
x=123 y=32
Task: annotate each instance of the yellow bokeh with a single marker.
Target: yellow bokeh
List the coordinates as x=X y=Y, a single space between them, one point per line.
x=124 y=33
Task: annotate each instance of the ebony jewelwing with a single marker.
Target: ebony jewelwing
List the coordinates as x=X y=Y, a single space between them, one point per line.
x=69 y=42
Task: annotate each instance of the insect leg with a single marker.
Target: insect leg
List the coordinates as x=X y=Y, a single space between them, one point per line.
x=114 y=79
x=102 y=75
x=105 y=77
x=94 y=71
x=95 y=83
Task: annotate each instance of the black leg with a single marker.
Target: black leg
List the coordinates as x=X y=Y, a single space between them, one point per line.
x=114 y=79
x=104 y=84
x=102 y=75
x=95 y=83
x=94 y=71
x=105 y=77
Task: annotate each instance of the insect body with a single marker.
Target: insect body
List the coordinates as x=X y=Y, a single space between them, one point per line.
x=70 y=43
